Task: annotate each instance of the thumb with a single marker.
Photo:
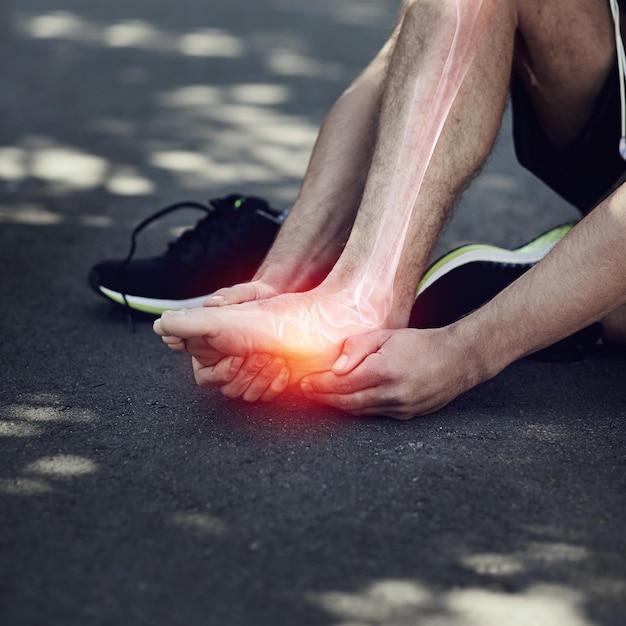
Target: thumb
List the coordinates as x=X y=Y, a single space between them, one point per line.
x=356 y=349
x=243 y=292
x=184 y=323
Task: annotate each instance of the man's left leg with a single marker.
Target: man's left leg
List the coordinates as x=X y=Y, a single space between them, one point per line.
x=568 y=84
x=444 y=96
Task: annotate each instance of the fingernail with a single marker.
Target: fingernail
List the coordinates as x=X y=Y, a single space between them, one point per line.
x=217 y=299
x=341 y=362
x=306 y=387
x=275 y=367
x=262 y=360
x=175 y=312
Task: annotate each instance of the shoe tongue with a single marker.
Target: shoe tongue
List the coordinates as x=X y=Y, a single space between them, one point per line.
x=233 y=201
x=227 y=216
x=236 y=202
x=248 y=204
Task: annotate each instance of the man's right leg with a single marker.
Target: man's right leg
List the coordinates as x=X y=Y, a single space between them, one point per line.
x=564 y=54
x=444 y=98
x=449 y=139
x=320 y=222
x=449 y=71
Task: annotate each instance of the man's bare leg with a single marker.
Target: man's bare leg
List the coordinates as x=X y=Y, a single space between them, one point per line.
x=311 y=239
x=567 y=48
x=563 y=86
x=416 y=174
x=469 y=121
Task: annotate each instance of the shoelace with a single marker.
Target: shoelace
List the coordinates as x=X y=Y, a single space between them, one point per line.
x=621 y=65
x=209 y=209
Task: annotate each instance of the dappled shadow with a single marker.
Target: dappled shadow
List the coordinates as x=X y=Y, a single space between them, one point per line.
x=127 y=495
x=174 y=98
x=179 y=504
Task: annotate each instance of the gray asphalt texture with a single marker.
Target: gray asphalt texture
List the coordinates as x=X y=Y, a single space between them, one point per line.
x=127 y=495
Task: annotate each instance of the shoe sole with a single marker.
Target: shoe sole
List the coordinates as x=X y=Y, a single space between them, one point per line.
x=528 y=254
x=151 y=306
x=467 y=277
x=446 y=274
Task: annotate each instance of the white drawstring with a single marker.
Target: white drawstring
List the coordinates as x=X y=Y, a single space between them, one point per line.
x=621 y=65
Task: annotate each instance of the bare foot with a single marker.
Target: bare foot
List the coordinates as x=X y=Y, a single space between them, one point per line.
x=307 y=330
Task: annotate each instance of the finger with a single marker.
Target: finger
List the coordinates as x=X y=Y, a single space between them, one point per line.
x=329 y=382
x=365 y=387
x=361 y=402
x=199 y=348
x=277 y=386
x=263 y=379
x=184 y=323
x=377 y=400
x=216 y=375
x=244 y=292
x=175 y=343
x=231 y=295
x=248 y=371
x=356 y=349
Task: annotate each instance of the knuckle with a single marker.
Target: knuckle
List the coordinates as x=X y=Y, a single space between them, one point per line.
x=208 y=376
x=352 y=384
x=230 y=391
x=203 y=380
x=270 y=394
x=255 y=365
x=347 y=403
x=402 y=416
x=279 y=384
x=349 y=342
x=251 y=394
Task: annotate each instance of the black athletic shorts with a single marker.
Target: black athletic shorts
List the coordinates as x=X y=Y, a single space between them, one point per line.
x=589 y=168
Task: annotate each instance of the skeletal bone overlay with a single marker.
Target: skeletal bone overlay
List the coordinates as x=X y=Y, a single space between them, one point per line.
x=309 y=329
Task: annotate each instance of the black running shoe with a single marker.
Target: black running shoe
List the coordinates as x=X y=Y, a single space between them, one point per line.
x=468 y=277
x=224 y=248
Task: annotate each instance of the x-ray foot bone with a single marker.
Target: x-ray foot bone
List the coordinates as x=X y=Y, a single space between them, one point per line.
x=308 y=329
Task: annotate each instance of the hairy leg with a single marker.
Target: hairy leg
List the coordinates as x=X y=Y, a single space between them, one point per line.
x=314 y=234
x=565 y=48
x=564 y=52
x=440 y=115
x=317 y=227
x=443 y=100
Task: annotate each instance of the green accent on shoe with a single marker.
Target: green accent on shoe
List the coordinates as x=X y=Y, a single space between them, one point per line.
x=151 y=306
x=444 y=260
x=135 y=306
x=549 y=238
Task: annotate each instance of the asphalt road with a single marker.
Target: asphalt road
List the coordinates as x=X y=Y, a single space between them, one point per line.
x=127 y=495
